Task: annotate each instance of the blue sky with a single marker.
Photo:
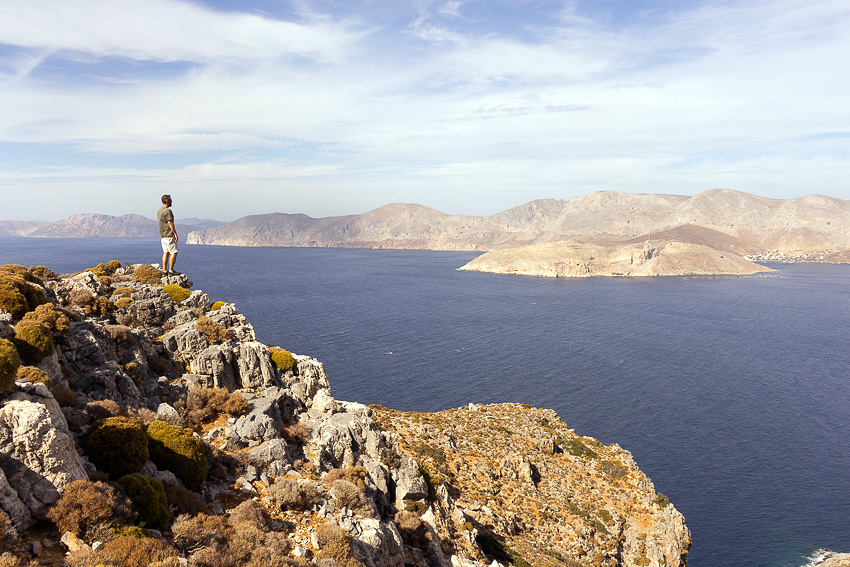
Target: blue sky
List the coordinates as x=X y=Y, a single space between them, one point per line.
x=470 y=107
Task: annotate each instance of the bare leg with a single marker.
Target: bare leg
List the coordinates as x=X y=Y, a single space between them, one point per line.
x=171 y=262
x=165 y=261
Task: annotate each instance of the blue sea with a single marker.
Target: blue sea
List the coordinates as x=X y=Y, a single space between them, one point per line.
x=733 y=394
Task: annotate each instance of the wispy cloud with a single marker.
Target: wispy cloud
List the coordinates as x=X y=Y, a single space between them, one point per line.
x=429 y=102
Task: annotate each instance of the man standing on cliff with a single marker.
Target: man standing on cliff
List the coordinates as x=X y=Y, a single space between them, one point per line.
x=168 y=236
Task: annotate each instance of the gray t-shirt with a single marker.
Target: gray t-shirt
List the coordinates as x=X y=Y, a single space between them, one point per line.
x=164 y=215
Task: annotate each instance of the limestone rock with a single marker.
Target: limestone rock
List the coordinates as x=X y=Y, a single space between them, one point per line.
x=37 y=452
x=86 y=281
x=339 y=439
x=409 y=484
x=261 y=423
x=382 y=543
x=198 y=299
x=12 y=505
x=110 y=382
x=275 y=455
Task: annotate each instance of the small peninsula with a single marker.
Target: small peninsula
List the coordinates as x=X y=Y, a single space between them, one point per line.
x=571 y=259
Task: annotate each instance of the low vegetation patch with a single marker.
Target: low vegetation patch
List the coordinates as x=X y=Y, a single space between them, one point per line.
x=176 y=449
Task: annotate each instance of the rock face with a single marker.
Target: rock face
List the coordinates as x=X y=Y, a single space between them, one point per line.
x=579 y=260
x=729 y=221
x=400 y=490
x=536 y=485
x=37 y=454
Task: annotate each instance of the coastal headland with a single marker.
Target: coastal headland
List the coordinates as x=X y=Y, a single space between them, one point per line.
x=139 y=414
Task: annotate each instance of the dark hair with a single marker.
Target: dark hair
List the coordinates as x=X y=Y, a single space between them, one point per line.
x=165 y=199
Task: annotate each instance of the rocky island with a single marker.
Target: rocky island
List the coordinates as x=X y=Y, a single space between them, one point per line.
x=143 y=424
x=581 y=259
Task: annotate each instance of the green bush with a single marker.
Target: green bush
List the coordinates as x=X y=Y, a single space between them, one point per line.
x=578 y=449
x=18 y=278
x=33 y=341
x=48 y=316
x=283 y=359
x=662 y=500
x=10 y=361
x=149 y=501
x=176 y=449
x=176 y=292
x=123 y=302
x=12 y=300
x=217 y=305
x=117 y=446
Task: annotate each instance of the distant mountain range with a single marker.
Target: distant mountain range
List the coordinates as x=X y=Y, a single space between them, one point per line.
x=723 y=219
x=100 y=226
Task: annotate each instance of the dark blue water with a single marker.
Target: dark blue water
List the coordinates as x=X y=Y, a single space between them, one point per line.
x=733 y=394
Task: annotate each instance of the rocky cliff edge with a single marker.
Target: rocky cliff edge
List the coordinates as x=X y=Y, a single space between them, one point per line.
x=307 y=477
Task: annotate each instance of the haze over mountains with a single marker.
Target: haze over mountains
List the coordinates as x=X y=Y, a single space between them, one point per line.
x=723 y=219
x=92 y=225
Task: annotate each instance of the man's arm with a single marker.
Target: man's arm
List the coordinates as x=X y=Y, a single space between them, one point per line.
x=173 y=229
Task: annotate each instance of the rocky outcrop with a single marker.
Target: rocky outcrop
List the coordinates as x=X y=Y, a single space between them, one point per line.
x=581 y=260
x=412 y=490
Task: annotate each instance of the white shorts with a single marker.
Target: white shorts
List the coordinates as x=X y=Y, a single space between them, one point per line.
x=168 y=245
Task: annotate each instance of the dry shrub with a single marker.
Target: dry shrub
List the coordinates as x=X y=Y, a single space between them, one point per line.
x=412 y=528
x=208 y=557
x=120 y=333
x=298 y=433
x=145 y=414
x=8 y=534
x=124 y=552
x=326 y=562
x=183 y=500
x=100 y=307
x=345 y=494
x=9 y=560
x=50 y=317
x=214 y=332
x=288 y=493
x=335 y=543
x=34 y=375
x=354 y=475
x=101 y=409
x=123 y=303
x=259 y=548
x=147 y=274
x=202 y=529
x=252 y=512
x=65 y=397
x=205 y=404
x=80 y=298
x=84 y=504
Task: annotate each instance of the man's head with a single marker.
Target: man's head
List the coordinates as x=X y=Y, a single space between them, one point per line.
x=166 y=200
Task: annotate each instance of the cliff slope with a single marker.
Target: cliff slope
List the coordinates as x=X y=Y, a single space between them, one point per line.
x=257 y=463
x=578 y=260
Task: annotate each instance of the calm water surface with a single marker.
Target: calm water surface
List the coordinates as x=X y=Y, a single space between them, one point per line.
x=732 y=393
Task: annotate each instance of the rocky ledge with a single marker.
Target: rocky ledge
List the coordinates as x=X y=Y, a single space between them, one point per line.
x=569 y=259
x=148 y=414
